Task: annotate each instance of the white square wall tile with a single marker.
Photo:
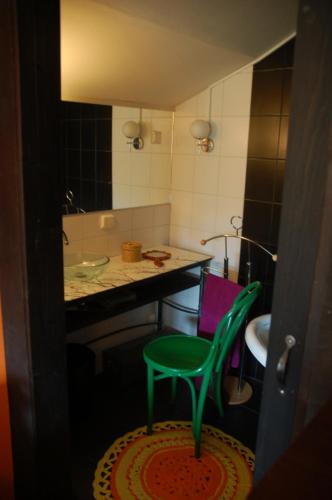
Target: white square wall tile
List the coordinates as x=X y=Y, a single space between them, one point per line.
x=121 y=168
x=161 y=215
x=232 y=176
x=216 y=135
x=159 y=113
x=227 y=208
x=234 y=136
x=99 y=245
x=237 y=95
x=179 y=236
x=144 y=236
x=183 y=172
x=203 y=104
x=73 y=247
x=121 y=196
x=196 y=236
x=217 y=100
x=140 y=196
x=91 y=225
x=206 y=174
x=158 y=195
x=123 y=219
x=187 y=108
x=116 y=241
x=127 y=113
x=204 y=212
x=181 y=208
x=140 y=170
x=183 y=143
x=146 y=114
x=142 y=217
x=161 y=235
x=160 y=173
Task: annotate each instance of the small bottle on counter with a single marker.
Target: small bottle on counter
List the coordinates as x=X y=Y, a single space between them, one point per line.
x=131 y=251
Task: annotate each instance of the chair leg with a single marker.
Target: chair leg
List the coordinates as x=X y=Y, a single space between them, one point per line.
x=150 y=397
x=217 y=393
x=174 y=384
x=199 y=415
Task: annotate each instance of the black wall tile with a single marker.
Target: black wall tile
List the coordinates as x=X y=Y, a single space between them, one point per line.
x=73 y=157
x=104 y=135
x=88 y=195
x=104 y=195
x=274 y=228
x=265 y=172
x=104 y=166
x=73 y=134
x=286 y=91
x=87 y=154
x=88 y=134
x=279 y=181
x=257 y=220
x=267 y=93
x=260 y=179
x=263 y=136
x=71 y=110
x=74 y=185
x=88 y=165
x=283 y=137
x=280 y=58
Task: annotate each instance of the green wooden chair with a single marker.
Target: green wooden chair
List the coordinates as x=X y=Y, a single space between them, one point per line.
x=187 y=357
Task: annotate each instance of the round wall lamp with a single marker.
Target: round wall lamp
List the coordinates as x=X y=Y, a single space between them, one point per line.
x=132 y=130
x=200 y=130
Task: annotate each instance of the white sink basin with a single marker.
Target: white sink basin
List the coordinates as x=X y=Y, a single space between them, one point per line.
x=83 y=265
x=257 y=337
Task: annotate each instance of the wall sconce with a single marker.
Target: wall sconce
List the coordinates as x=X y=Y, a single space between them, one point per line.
x=132 y=131
x=200 y=130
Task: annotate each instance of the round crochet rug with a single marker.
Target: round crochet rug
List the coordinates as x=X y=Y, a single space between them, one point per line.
x=162 y=466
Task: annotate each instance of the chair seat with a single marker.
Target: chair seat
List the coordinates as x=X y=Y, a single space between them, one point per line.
x=177 y=353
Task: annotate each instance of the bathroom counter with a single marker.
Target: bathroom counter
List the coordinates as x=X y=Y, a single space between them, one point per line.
x=125 y=286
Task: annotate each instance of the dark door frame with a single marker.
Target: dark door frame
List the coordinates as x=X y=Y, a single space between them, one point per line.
x=302 y=302
x=30 y=232
x=31 y=274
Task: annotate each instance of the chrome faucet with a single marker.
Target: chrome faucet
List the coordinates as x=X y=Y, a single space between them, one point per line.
x=65 y=238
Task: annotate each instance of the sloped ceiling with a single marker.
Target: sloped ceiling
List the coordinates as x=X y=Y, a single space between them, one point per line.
x=158 y=53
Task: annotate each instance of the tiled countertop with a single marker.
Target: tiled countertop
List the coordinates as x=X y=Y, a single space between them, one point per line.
x=119 y=273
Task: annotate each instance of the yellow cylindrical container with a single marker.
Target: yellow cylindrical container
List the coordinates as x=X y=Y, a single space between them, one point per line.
x=131 y=251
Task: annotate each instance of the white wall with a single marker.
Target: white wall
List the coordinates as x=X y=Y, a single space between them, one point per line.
x=208 y=188
x=141 y=177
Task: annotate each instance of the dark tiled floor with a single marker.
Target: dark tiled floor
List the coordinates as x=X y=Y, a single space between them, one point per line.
x=115 y=411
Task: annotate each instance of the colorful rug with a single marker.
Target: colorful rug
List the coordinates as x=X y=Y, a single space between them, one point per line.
x=162 y=466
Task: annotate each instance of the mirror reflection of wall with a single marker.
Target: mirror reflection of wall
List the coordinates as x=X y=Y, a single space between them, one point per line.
x=102 y=170
x=142 y=176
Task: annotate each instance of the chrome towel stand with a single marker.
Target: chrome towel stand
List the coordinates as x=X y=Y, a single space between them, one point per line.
x=240 y=392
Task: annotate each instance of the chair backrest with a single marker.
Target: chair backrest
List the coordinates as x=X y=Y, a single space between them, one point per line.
x=229 y=326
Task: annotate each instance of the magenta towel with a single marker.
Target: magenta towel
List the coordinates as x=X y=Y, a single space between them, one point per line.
x=218 y=297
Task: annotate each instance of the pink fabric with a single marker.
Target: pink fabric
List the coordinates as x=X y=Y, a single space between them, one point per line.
x=218 y=297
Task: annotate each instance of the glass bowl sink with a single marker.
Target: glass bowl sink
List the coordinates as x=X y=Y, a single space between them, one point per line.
x=84 y=265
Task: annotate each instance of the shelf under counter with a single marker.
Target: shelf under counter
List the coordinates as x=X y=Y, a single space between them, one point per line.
x=143 y=284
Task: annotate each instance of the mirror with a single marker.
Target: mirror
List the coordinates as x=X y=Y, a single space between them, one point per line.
x=102 y=170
